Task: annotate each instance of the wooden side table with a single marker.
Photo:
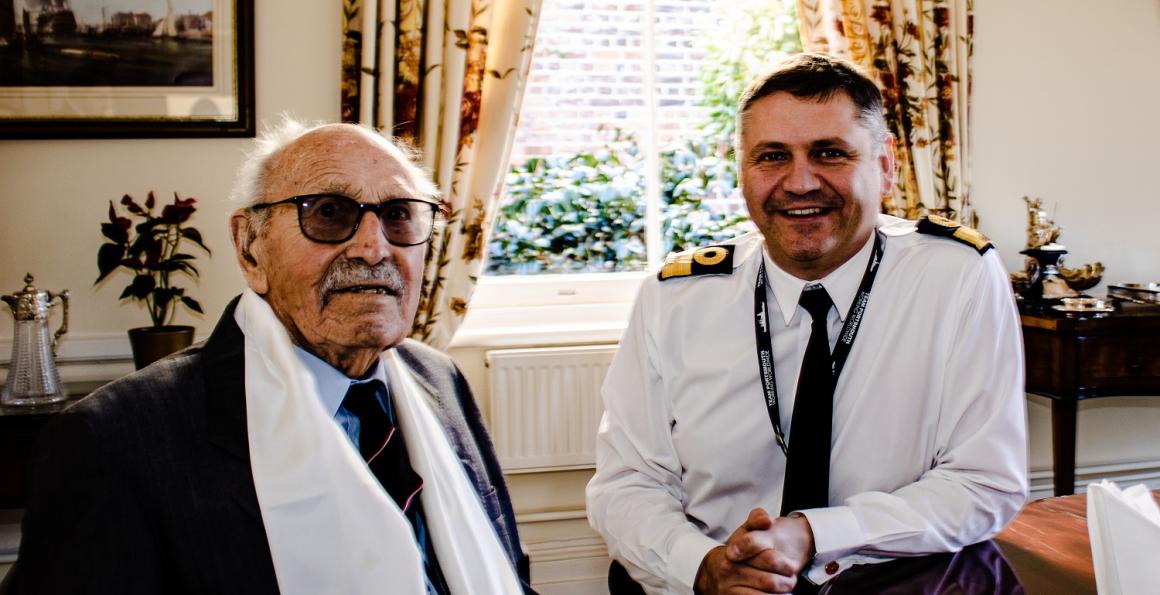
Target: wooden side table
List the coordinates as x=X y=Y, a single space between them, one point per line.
x=1048 y=546
x=1084 y=356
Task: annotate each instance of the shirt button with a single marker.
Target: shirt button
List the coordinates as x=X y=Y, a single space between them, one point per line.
x=832 y=567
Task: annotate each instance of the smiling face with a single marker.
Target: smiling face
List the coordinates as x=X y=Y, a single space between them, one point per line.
x=813 y=176
x=346 y=302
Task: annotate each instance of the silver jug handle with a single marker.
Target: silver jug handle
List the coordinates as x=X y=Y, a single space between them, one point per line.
x=63 y=297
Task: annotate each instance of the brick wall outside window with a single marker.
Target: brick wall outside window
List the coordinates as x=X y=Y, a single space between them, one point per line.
x=588 y=70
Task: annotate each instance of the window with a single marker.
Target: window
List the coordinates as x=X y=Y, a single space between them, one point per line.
x=623 y=149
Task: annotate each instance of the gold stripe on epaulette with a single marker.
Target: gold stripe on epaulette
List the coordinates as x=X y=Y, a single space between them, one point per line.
x=942 y=221
x=677 y=265
x=710 y=260
x=941 y=226
x=973 y=237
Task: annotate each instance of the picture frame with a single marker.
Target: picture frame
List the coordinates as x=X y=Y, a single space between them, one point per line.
x=142 y=69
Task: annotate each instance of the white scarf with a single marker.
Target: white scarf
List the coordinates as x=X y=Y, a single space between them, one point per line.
x=330 y=525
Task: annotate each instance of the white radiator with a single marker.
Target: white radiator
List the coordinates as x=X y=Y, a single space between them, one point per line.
x=545 y=405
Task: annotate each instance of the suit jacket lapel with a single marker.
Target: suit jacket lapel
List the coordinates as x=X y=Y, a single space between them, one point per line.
x=455 y=431
x=224 y=370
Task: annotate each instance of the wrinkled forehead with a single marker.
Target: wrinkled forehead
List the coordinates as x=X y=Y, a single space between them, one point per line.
x=347 y=160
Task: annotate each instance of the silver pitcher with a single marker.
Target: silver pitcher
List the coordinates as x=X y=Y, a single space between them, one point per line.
x=32 y=375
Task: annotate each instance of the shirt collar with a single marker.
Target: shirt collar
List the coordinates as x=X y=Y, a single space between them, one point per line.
x=330 y=383
x=842 y=283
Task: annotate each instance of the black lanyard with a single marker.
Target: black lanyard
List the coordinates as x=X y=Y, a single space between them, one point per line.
x=841 y=350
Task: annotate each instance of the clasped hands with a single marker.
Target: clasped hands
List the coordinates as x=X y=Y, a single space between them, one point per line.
x=764 y=555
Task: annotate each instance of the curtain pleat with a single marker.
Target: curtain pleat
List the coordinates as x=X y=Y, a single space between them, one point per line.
x=920 y=52
x=448 y=77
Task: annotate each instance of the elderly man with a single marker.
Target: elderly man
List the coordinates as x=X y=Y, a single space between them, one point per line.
x=836 y=388
x=306 y=446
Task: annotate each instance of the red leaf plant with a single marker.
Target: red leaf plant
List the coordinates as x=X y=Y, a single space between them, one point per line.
x=152 y=250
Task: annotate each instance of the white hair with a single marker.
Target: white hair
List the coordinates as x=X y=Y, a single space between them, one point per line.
x=250 y=183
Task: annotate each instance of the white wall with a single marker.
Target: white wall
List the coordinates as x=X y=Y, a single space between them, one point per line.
x=1065 y=109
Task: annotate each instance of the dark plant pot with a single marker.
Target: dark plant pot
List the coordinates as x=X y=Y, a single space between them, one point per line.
x=151 y=343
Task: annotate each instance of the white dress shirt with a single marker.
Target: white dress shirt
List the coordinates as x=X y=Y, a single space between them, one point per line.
x=929 y=448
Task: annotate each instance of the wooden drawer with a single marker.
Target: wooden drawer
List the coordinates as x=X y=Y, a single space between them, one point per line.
x=1118 y=364
x=1085 y=357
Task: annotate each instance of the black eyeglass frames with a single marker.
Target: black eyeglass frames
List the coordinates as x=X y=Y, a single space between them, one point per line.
x=334 y=218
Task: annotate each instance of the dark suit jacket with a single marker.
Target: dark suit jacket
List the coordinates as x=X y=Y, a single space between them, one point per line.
x=144 y=486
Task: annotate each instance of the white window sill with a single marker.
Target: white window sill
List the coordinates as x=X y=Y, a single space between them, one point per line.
x=543 y=325
x=548 y=310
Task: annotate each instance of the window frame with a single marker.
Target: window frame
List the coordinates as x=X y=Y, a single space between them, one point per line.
x=576 y=307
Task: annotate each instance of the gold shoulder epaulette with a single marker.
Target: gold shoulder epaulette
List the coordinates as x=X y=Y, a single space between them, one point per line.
x=710 y=260
x=941 y=226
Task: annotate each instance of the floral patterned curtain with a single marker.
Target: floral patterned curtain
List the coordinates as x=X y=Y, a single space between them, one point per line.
x=920 y=51
x=447 y=76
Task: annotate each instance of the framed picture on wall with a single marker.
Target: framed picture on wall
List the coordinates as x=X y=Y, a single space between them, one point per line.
x=126 y=68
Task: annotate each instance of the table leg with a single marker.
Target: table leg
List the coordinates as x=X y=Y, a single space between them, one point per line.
x=1063 y=445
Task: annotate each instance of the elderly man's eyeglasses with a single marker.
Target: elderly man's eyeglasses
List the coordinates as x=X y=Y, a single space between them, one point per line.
x=334 y=218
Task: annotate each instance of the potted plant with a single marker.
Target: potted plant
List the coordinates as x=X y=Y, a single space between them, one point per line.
x=152 y=250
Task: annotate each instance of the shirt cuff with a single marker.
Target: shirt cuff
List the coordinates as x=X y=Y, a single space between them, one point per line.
x=836 y=530
x=821 y=573
x=686 y=555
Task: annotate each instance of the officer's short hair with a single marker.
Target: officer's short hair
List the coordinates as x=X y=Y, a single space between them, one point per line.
x=818 y=77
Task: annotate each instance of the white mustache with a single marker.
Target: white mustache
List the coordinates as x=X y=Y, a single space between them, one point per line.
x=346 y=273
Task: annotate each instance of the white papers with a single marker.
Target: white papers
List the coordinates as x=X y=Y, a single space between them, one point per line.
x=1124 y=526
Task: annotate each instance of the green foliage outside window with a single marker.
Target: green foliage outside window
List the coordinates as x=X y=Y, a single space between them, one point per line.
x=573 y=213
x=763 y=33
x=584 y=212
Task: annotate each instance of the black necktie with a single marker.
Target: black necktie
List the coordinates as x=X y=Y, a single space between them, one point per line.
x=807 y=473
x=381 y=444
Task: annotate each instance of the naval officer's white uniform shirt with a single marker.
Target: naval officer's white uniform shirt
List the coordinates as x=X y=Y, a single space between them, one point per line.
x=929 y=450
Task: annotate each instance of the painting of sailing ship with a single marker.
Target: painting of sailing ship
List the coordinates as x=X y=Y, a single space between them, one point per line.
x=106 y=43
